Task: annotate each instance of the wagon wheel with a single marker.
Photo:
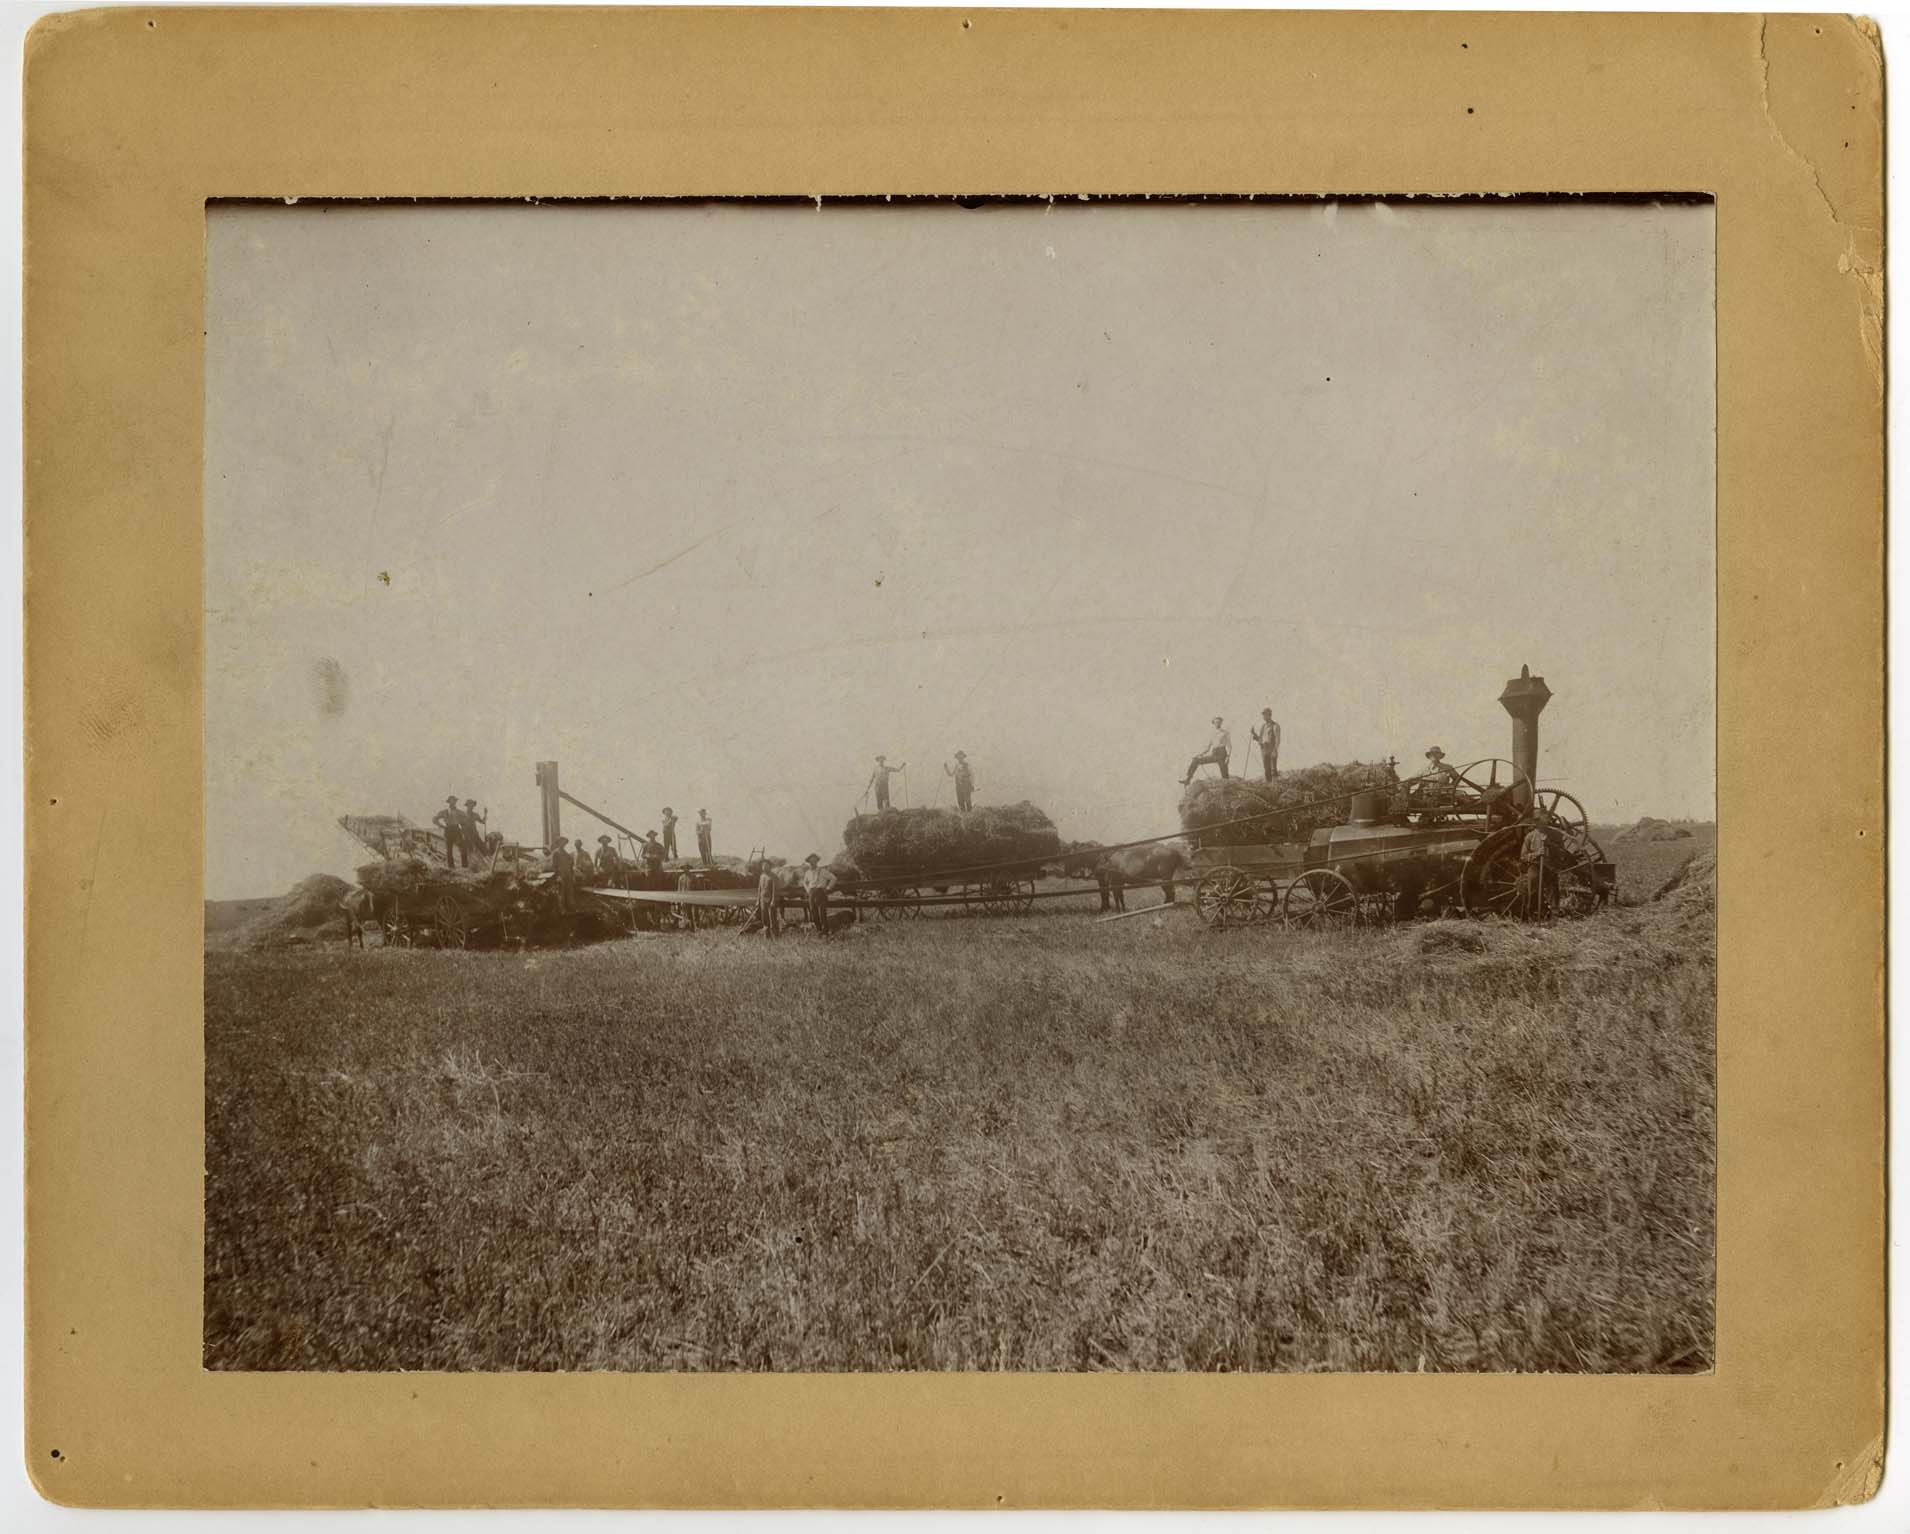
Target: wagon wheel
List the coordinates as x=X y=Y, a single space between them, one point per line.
x=892 y=905
x=1231 y=897
x=393 y=927
x=1024 y=900
x=1321 y=899
x=1566 y=812
x=1489 y=884
x=453 y=931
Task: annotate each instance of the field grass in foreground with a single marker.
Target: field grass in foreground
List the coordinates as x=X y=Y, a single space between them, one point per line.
x=1013 y=1144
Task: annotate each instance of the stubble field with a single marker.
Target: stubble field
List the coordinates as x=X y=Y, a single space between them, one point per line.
x=1028 y=1143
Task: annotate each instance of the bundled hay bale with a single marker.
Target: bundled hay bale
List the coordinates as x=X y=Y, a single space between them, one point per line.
x=1313 y=796
x=1452 y=937
x=308 y=914
x=1651 y=829
x=1694 y=884
x=924 y=841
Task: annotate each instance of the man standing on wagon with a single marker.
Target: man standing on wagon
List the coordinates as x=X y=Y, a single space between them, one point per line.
x=474 y=821
x=705 y=839
x=964 y=777
x=669 y=832
x=1219 y=748
x=450 y=820
x=879 y=780
x=1267 y=734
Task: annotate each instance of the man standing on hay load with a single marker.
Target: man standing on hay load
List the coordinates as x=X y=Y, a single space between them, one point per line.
x=816 y=884
x=450 y=820
x=1267 y=733
x=1218 y=750
x=705 y=839
x=879 y=780
x=669 y=832
x=964 y=777
x=474 y=821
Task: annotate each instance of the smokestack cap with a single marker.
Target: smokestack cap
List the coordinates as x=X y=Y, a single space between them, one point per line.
x=1526 y=695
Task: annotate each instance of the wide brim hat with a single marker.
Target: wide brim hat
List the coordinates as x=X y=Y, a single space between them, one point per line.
x=814 y=857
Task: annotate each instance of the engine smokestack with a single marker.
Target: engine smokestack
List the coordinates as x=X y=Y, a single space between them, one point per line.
x=1524 y=698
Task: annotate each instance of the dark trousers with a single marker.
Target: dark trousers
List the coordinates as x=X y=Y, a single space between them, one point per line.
x=1270 y=764
x=1218 y=758
x=964 y=796
x=703 y=843
x=453 y=845
x=819 y=910
x=770 y=914
x=882 y=795
x=669 y=842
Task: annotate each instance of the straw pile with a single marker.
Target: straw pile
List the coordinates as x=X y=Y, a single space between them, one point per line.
x=1651 y=829
x=1315 y=796
x=309 y=914
x=932 y=840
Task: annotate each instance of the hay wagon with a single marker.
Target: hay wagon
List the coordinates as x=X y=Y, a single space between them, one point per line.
x=1005 y=893
x=444 y=915
x=1448 y=841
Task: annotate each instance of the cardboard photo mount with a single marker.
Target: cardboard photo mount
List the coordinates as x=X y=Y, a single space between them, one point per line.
x=135 y=119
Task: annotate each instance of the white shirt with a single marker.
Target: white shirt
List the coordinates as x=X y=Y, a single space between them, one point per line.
x=817 y=877
x=1223 y=741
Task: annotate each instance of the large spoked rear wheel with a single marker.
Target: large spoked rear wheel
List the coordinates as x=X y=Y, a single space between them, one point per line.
x=1321 y=900
x=1490 y=884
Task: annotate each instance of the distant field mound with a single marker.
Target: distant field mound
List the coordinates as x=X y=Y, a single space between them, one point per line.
x=934 y=840
x=308 y=914
x=1312 y=797
x=1651 y=829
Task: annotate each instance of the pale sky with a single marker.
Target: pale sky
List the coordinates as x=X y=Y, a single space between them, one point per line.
x=712 y=502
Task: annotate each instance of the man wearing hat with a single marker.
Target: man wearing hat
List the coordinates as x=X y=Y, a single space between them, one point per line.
x=817 y=881
x=609 y=865
x=879 y=780
x=450 y=820
x=964 y=777
x=669 y=832
x=1437 y=768
x=474 y=824
x=652 y=854
x=1219 y=748
x=563 y=864
x=1267 y=734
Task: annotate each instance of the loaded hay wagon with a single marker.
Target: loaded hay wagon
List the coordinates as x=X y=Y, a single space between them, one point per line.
x=1379 y=849
x=984 y=861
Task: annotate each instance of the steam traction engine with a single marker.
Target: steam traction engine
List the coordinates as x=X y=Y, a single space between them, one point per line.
x=1447 y=840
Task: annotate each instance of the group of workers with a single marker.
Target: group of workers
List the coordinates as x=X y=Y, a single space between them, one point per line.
x=574 y=865
x=464 y=829
x=959 y=770
x=1220 y=748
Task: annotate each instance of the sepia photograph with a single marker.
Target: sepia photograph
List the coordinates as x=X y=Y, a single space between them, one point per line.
x=1043 y=785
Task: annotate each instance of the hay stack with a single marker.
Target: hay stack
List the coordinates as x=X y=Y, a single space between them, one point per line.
x=308 y=914
x=1326 y=790
x=1651 y=829
x=924 y=841
x=409 y=876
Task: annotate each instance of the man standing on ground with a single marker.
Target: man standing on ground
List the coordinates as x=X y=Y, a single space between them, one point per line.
x=816 y=884
x=769 y=911
x=669 y=832
x=451 y=823
x=1267 y=733
x=1532 y=873
x=879 y=780
x=1219 y=748
x=964 y=777
x=705 y=839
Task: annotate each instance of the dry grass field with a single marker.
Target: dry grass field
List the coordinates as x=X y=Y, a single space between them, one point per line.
x=1027 y=1143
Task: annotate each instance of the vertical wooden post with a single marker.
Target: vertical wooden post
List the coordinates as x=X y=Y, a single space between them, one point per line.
x=547 y=786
